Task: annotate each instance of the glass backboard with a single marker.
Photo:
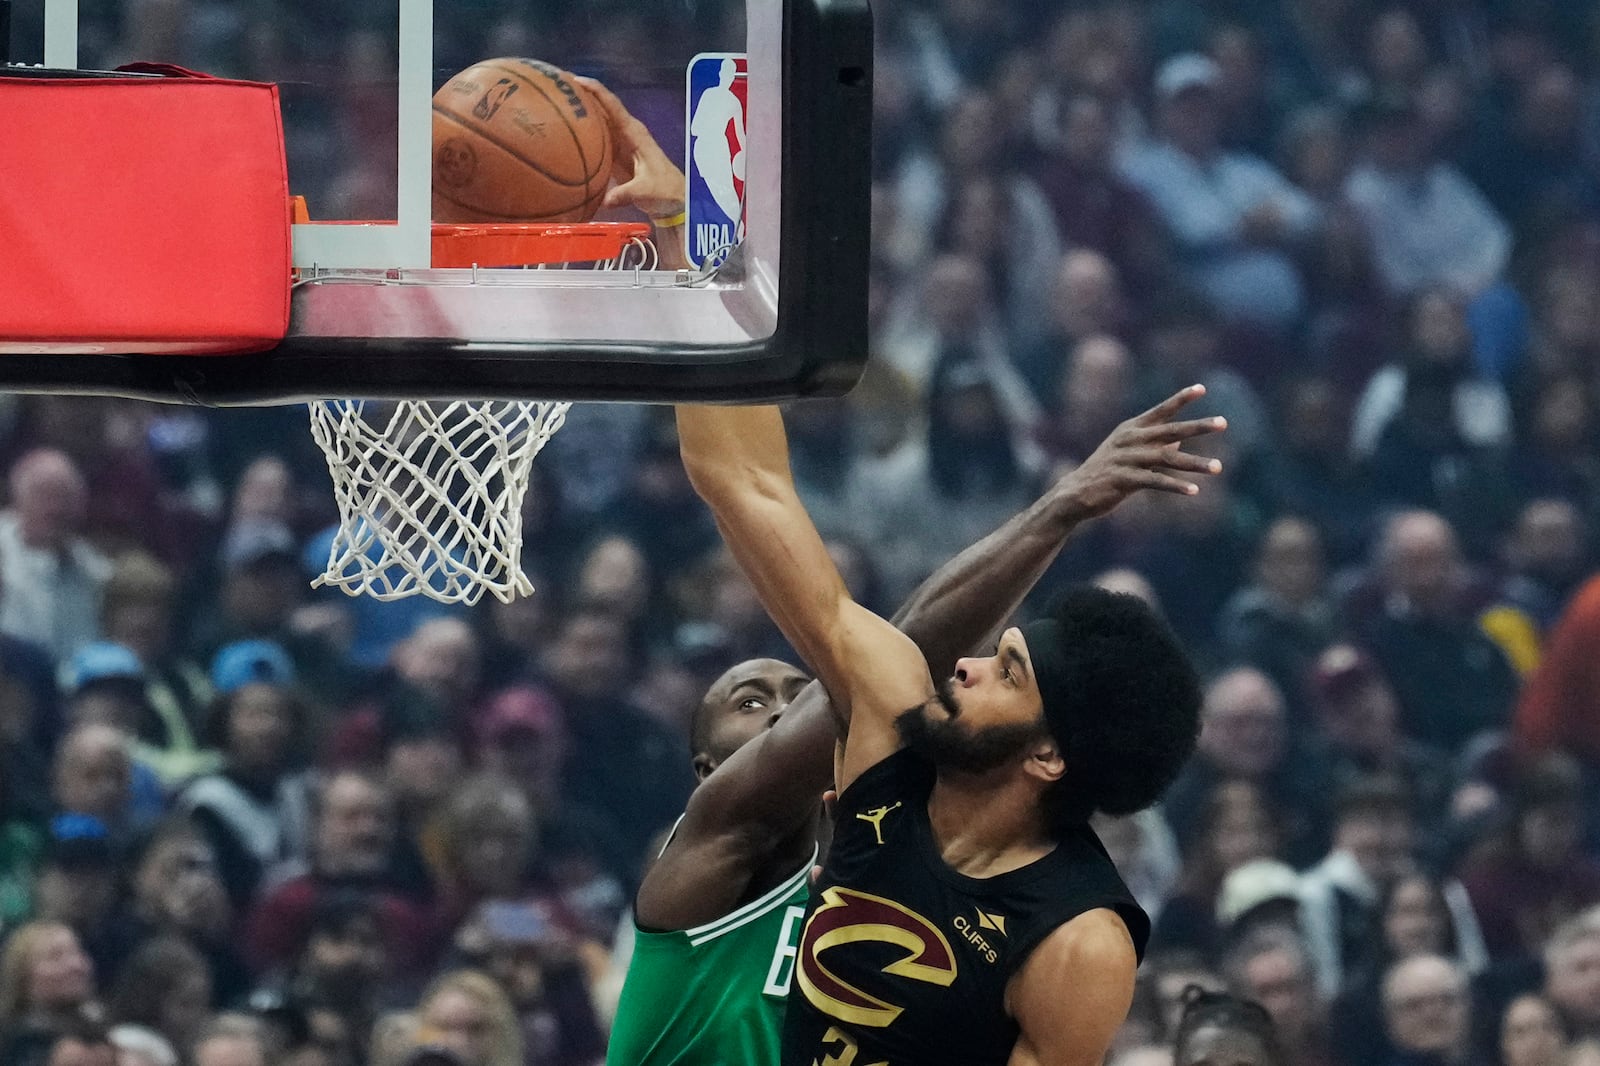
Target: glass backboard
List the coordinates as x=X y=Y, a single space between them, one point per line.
x=759 y=294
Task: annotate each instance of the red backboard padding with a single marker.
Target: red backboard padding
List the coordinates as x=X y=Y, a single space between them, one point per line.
x=142 y=214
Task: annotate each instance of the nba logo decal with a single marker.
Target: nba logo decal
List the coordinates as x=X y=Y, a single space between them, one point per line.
x=718 y=108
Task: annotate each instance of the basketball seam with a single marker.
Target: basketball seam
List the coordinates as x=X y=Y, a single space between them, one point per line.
x=517 y=217
x=513 y=153
x=583 y=157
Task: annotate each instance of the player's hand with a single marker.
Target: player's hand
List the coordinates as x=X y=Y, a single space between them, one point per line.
x=644 y=176
x=830 y=799
x=1145 y=452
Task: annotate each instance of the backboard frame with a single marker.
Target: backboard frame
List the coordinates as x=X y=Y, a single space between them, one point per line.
x=785 y=317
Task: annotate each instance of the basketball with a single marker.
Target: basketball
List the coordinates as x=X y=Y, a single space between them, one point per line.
x=518 y=140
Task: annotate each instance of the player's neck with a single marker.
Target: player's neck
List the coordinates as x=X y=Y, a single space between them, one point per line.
x=983 y=829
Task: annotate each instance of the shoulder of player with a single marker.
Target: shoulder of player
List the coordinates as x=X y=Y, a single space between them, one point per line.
x=1092 y=956
x=1095 y=942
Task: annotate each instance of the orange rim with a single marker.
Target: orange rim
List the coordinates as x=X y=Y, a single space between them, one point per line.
x=532 y=244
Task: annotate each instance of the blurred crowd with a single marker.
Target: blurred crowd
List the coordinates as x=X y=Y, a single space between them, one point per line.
x=246 y=822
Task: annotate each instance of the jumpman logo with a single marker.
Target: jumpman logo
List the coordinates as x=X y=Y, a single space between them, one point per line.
x=876 y=817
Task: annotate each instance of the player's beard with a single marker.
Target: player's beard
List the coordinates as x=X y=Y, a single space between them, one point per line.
x=949 y=745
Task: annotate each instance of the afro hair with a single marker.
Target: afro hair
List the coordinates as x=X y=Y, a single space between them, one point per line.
x=1132 y=717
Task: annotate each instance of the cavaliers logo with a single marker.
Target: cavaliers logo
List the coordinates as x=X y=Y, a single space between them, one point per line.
x=455 y=162
x=490 y=101
x=850 y=917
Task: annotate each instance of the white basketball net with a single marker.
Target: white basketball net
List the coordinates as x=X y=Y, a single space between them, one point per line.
x=430 y=494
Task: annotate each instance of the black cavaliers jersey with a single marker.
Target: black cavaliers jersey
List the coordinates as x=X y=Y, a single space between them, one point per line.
x=903 y=960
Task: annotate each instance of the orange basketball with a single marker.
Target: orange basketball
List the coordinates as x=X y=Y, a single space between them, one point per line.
x=517 y=140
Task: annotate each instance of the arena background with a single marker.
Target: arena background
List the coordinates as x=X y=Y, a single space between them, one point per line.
x=233 y=805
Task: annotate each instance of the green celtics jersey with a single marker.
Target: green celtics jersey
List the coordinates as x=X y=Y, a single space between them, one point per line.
x=713 y=995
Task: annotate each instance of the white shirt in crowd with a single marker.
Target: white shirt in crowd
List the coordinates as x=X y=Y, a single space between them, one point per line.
x=50 y=597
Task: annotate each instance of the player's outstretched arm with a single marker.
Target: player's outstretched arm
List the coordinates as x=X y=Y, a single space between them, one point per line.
x=738 y=460
x=991 y=578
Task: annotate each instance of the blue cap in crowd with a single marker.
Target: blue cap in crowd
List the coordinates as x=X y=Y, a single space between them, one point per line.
x=102 y=660
x=248 y=662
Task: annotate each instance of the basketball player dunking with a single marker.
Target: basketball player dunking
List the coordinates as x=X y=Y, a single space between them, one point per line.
x=966 y=913
x=718 y=915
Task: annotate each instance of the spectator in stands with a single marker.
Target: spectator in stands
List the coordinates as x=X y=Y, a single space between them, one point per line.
x=138 y=613
x=1196 y=557
x=256 y=810
x=1427 y=1009
x=232 y=1040
x=1429 y=227
x=1285 y=617
x=443 y=659
x=423 y=758
x=1185 y=340
x=260 y=584
x=1547 y=556
x=47 y=988
x=1534 y=875
x=520 y=740
x=138 y=1046
x=1374 y=842
x=1233 y=217
x=964 y=478
x=52 y=578
x=1094 y=206
x=1431 y=426
x=989 y=226
x=165 y=987
x=1086 y=301
x=1263 y=894
x=1308 y=471
x=354 y=834
x=1356 y=723
x=1536 y=169
x=1095 y=393
x=468 y=1013
x=106 y=684
x=1531 y=1033
x=344 y=974
x=93 y=777
x=1145 y=853
x=1169 y=976
x=1452 y=680
x=1234 y=825
x=176 y=892
x=1244 y=737
x=1416 y=916
x=969 y=146
x=22 y=846
x=79 y=885
x=1572 y=975
x=484 y=845
x=588 y=666
x=951 y=318
x=543 y=969
x=1271 y=968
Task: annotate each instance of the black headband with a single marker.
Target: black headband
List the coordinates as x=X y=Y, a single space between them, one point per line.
x=1047 y=642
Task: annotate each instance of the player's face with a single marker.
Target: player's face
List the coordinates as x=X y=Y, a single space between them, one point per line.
x=984 y=717
x=995 y=690
x=747 y=700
